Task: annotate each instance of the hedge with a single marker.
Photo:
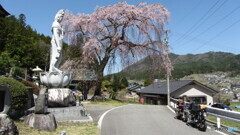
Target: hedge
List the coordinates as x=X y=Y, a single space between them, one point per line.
x=19 y=96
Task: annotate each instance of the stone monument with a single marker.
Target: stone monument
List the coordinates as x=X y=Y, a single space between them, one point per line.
x=54 y=95
x=55 y=80
x=55 y=103
x=7 y=126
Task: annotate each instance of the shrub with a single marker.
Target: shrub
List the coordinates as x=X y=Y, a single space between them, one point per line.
x=19 y=96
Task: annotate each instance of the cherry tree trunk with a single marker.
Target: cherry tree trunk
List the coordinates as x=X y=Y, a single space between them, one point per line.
x=100 y=70
x=99 y=84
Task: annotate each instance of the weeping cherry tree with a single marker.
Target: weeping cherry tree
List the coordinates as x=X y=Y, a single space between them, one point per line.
x=121 y=31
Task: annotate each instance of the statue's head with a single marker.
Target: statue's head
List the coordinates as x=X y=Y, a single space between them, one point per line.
x=59 y=15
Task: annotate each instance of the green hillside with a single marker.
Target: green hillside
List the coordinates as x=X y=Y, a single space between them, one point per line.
x=186 y=65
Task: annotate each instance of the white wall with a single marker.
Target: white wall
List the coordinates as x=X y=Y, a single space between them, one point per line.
x=194 y=91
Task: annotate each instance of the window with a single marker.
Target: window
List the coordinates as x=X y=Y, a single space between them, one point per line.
x=198 y=100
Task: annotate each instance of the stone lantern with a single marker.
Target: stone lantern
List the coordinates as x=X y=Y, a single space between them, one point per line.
x=36 y=71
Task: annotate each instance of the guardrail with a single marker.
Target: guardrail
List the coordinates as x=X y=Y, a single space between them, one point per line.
x=224 y=114
x=220 y=113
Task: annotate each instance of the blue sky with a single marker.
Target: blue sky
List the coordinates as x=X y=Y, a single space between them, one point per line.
x=196 y=26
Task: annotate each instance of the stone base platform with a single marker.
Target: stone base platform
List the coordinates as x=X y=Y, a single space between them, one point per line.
x=71 y=114
x=68 y=114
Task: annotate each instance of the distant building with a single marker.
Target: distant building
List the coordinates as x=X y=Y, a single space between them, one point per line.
x=156 y=93
x=3 y=12
x=133 y=89
x=238 y=95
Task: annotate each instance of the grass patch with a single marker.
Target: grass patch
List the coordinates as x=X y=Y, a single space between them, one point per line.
x=233 y=104
x=111 y=102
x=224 y=122
x=115 y=102
x=70 y=128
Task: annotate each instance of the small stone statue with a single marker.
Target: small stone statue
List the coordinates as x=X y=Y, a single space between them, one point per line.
x=56 y=42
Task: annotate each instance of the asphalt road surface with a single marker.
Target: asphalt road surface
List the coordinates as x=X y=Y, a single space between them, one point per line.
x=146 y=120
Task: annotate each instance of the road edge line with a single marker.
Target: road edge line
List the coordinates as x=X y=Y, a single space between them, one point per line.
x=220 y=132
x=103 y=115
x=170 y=108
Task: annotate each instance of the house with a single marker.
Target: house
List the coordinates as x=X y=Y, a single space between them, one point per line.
x=156 y=93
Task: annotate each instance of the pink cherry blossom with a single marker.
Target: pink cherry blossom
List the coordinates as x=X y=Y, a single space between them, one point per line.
x=129 y=32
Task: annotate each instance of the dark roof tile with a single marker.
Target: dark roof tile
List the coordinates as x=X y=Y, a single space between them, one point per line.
x=161 y=87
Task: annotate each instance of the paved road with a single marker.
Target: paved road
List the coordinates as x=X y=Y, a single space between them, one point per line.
x=146 y=120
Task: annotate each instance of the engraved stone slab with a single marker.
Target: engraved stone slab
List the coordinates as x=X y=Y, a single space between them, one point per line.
x=2 y=98
x=5 y=102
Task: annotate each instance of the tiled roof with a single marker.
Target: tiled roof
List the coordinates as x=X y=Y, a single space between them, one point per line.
x=133 y=87
x=161 y=87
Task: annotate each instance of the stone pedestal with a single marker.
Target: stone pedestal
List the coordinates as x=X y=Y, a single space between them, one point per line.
x=41 y=121
x=60 y=97
x=7 y=126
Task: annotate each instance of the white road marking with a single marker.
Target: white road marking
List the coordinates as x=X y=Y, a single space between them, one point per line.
x=101 y=118
x=170 y=109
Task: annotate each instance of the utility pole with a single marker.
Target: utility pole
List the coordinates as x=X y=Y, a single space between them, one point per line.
x=168 y=87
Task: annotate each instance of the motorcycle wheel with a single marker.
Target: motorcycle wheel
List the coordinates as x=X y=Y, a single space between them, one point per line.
x=185 y=119
x=202 y=126
x=179 y=117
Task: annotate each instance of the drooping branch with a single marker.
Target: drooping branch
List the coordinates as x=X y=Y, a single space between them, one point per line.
x=107 y=33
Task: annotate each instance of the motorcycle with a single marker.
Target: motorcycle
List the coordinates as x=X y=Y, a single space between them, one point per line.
x=197 y=116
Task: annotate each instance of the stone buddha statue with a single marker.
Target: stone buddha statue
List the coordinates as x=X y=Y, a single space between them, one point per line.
x=56 y=42
x=56 y=78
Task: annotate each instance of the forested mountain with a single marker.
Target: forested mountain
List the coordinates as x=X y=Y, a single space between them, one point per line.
x=21 y=46
x=24 y=48
x=186 y=65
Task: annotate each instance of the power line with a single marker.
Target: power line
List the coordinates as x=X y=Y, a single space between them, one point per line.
x=193 y=26
x=201 y=41
x=220 y=33
x=191 y=11
x=223 y=18
x=202 y=22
